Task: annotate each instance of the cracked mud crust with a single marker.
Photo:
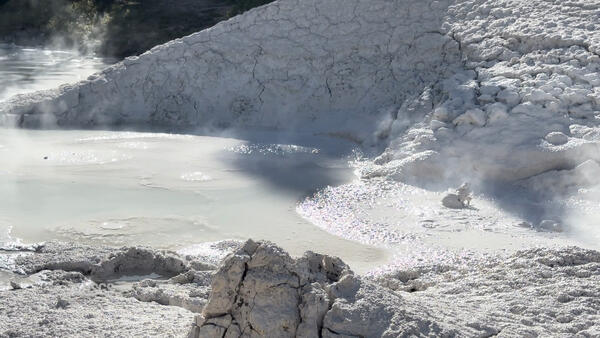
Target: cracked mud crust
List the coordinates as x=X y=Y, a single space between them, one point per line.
x=72 y=290
x=79 y=311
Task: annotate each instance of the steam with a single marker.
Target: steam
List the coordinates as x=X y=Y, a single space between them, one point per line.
x=25 y=69
x=575 y=194
x=55 y=25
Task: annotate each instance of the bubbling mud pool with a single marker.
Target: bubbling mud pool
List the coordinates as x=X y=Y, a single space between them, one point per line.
x=167 y=191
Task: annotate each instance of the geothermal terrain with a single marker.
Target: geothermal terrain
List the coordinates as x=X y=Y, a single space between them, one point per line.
x=336 y=135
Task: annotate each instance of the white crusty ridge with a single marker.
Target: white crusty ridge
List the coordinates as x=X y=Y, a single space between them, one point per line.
x=501 y=89
x=526 y=99
x=292 y=61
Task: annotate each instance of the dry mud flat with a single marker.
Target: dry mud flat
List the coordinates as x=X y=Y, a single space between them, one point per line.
x=69 y=290
x=259 y=290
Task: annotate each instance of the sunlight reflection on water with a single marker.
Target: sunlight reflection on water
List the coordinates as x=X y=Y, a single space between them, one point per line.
x=25 y=70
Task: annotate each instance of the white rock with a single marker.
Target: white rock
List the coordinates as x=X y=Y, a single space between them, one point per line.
x=312 y=296
x=338 y=302
x=550 y=225
x=440 y=114
x=496 y=112
x=577 y=96
x=452 y=201
x=484 y=99
x=435 y=124
x=262 y=291
x=538 y=96
x=509 y=97
x=557 y=138
x=490 y=90
x=474 y=117
x=583 y=111
x=526 y=108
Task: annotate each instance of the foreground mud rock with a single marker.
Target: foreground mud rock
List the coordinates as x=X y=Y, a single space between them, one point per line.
x=183 y=281
x=70 y=290
x=67 y=309
x=100 y=263
x=261 y=291
x=58 y=289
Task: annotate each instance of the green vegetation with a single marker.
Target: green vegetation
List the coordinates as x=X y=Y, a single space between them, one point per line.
x=112 y=27
x=69 y=23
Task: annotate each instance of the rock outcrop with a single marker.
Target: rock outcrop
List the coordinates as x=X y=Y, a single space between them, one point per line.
x=101 y=263
x=260 y=291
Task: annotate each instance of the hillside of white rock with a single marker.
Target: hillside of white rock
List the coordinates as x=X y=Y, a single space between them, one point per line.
x=501 y=89
x=504 y=94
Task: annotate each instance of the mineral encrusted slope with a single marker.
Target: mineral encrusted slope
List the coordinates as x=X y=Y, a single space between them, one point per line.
x=260 y=291
x=287 y=63
x=495 y=89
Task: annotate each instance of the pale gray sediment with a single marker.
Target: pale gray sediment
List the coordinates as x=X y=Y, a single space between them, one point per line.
x=68 y=309
x=66 y=289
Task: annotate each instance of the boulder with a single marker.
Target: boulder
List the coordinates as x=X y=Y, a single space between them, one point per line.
x=260 y=291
